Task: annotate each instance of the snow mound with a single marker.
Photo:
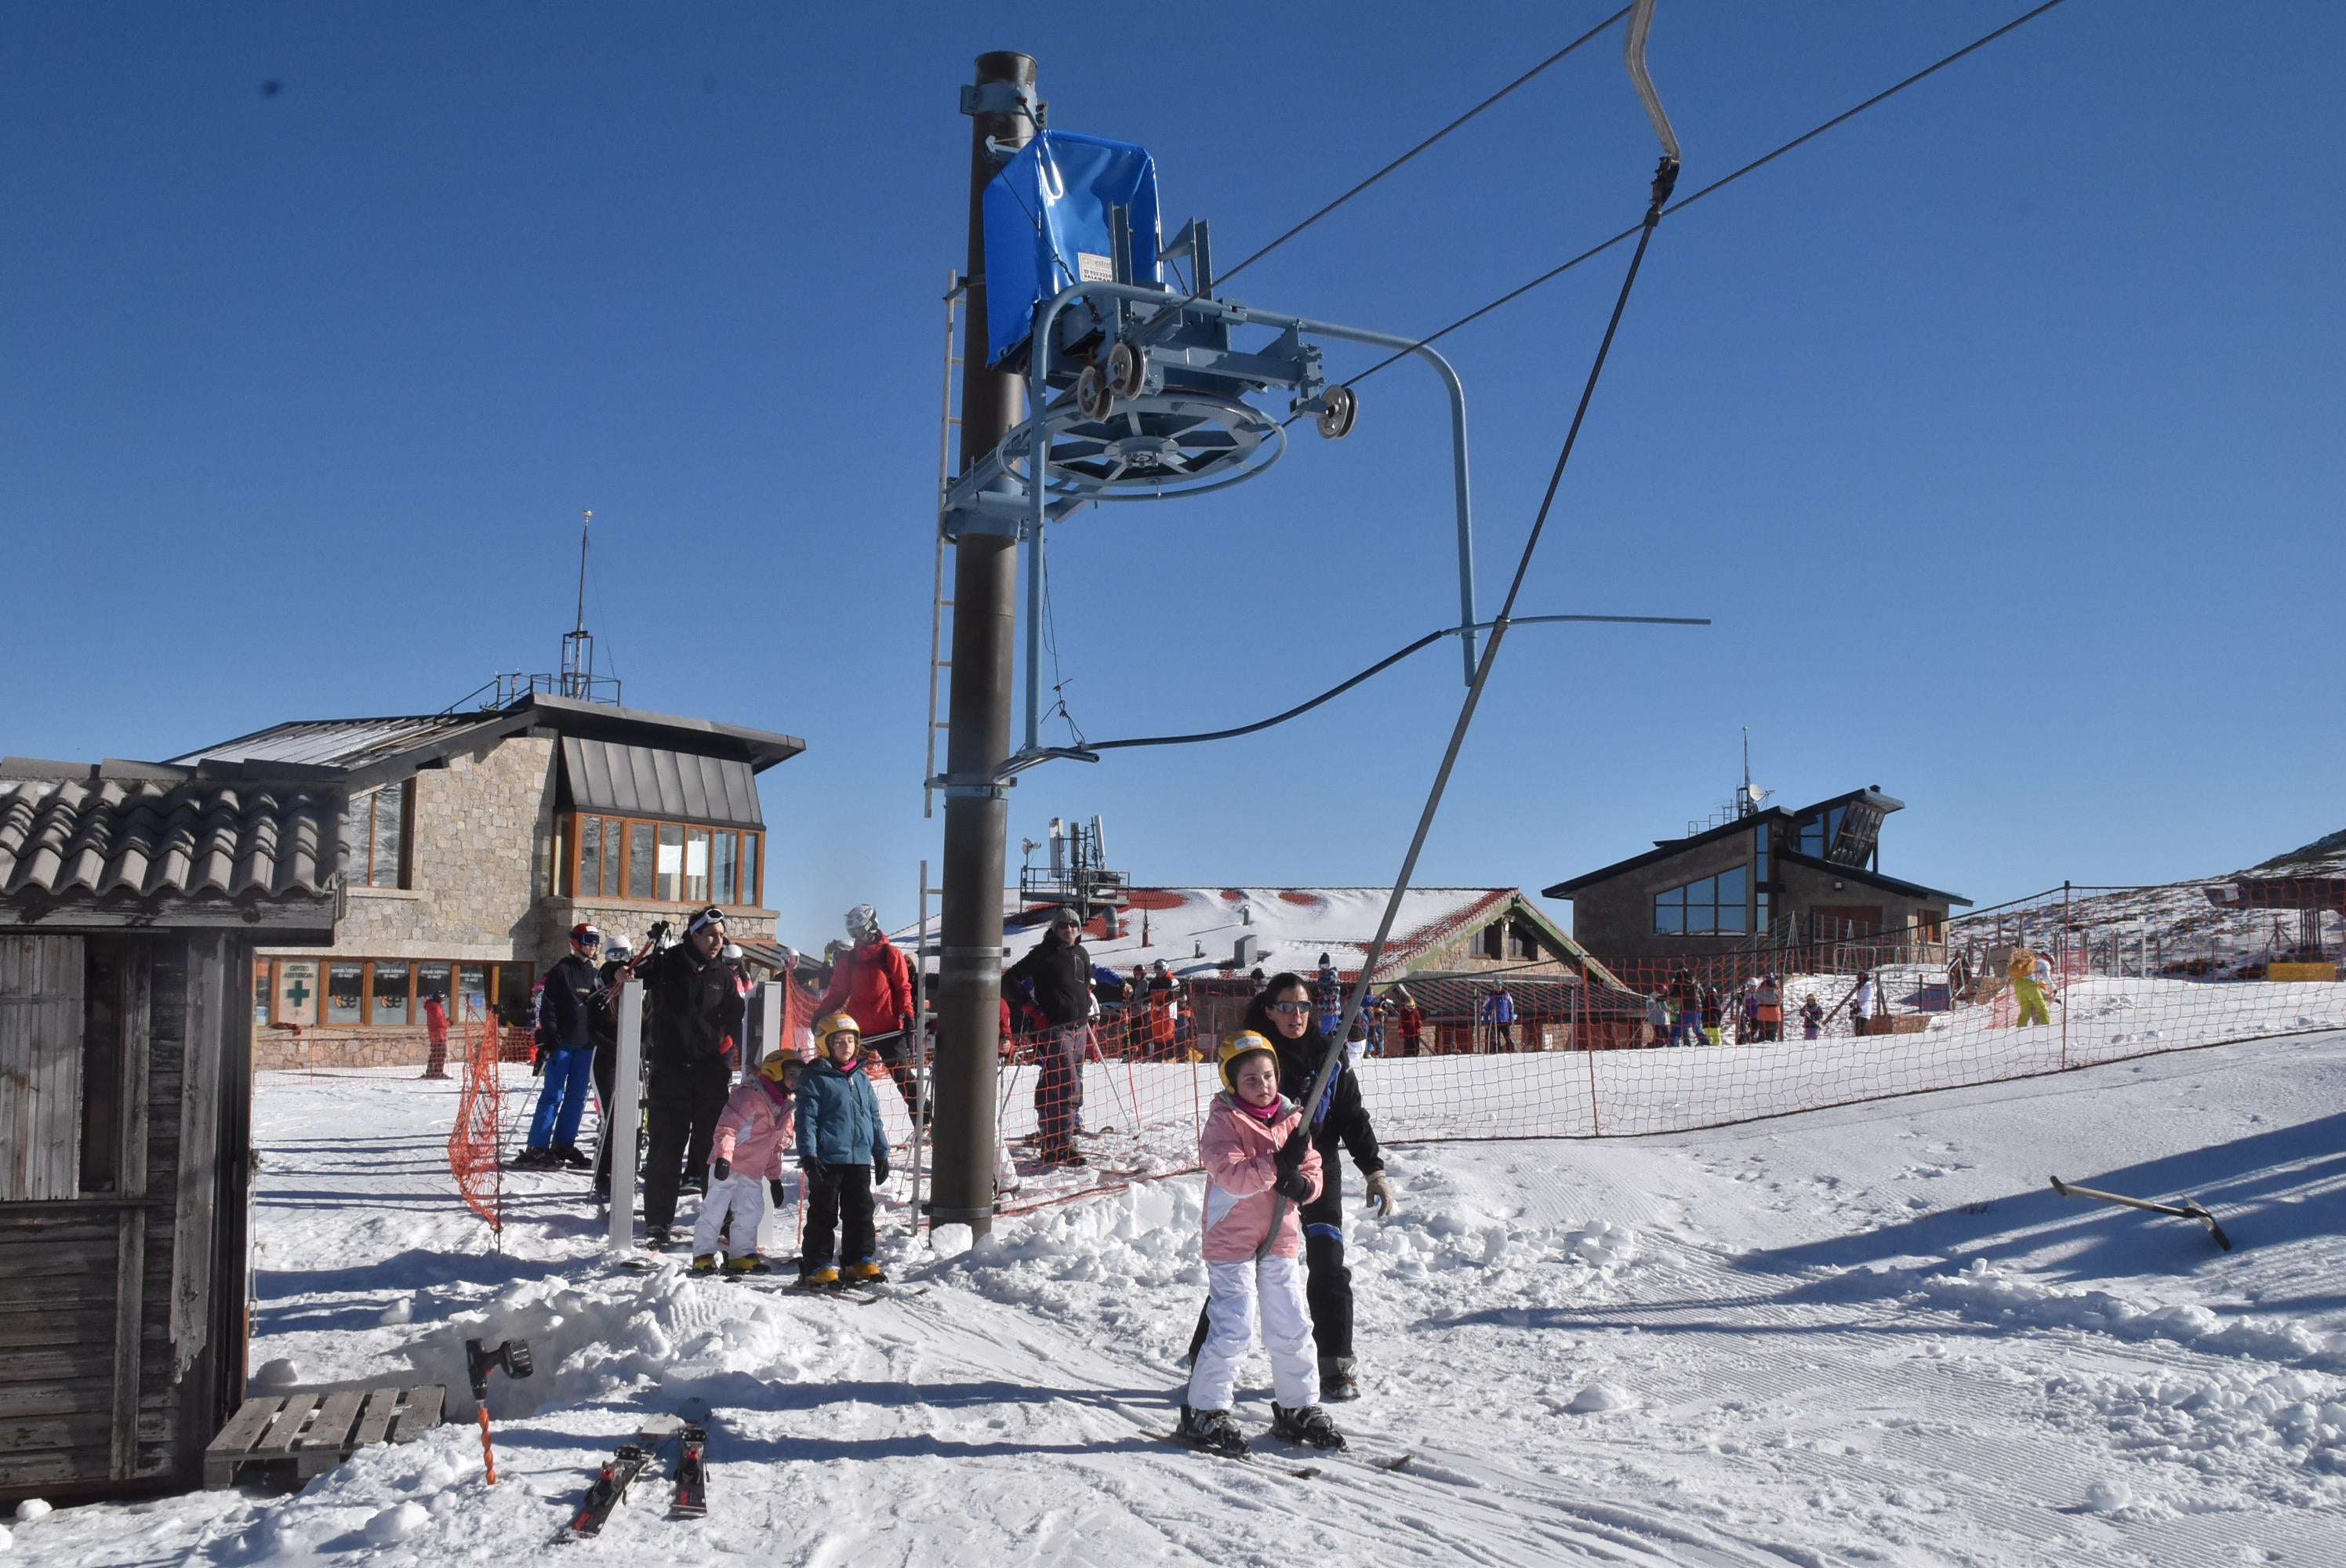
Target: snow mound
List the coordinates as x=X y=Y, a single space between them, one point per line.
x=1597 y=1398
x=397 y=1522
x=33 y=1507
x=2108 y=1496
x=1984 y=1292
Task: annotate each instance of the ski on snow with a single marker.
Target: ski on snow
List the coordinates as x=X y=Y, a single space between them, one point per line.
x=630 y=1459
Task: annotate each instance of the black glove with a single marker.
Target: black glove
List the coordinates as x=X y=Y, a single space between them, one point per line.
x=722 y=1168
x=880 y=1169
x=1290 y=1181
x=774 y=1190
x=652 y=937
x=819 y=1174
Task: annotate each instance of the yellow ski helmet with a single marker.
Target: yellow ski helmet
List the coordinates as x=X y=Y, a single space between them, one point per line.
x=775 y=1067
x=837 y=1023
x=1244 y=1042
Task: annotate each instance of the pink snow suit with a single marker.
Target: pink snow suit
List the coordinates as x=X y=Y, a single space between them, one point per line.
x=1240 y=1153
x=755 y=1128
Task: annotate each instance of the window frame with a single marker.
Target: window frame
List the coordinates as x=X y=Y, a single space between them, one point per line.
x=743 y=847
x=1685 y=904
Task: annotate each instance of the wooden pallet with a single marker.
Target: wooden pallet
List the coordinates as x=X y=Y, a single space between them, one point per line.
x=312 y=1433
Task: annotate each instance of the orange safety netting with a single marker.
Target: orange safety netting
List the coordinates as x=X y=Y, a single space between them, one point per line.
x=476 y=1143
x=1676 y=1043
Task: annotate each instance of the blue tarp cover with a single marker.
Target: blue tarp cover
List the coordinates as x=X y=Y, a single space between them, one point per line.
x=1047 y=227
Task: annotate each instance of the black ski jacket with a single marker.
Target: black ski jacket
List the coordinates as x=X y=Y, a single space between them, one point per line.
x=695 y=1007
x=566 y=1007
x=1348 y=1114
x=1062 y=978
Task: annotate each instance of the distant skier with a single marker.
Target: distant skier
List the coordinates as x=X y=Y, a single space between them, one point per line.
x=1261 y=1170
x=1769 y=1000
x=1282 y=1014
x=745 y=1166
x=1328 y=992
x=1410 y=1021
x=566 y=1051
x=1812 y=1017
x=1684 y=998
x=1060 y=972
x=2029 y=974
x=843 y=1150
x=1714 y=1013
x=1498 y=1019
x=872 y=983
x=1863 y=1002
x=436 y=1033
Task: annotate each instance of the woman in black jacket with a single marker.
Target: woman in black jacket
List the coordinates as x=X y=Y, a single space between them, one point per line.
x=1282 y=1014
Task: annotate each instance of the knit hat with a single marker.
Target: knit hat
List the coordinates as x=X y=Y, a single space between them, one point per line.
x=1245 y=1043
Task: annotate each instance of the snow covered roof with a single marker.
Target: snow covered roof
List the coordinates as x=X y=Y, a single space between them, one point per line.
x=1196 y=931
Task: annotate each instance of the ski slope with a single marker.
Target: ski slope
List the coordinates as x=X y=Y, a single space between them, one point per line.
x=1866 y=1335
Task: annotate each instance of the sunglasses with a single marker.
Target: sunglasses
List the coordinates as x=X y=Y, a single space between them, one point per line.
x=1290 y=1007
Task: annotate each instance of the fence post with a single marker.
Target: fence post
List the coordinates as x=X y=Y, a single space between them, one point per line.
x=625 y=1112
x=2063 y=961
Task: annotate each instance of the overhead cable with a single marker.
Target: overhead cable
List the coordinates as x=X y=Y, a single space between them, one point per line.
x=1555 y=272
x=1428 y=142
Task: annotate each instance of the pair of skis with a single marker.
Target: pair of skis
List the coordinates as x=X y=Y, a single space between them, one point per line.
x=631 y=1460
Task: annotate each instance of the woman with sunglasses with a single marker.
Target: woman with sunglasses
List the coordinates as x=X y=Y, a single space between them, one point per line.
x=1282 y=1013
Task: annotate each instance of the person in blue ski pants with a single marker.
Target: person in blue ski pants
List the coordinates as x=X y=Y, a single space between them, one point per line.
x=566 y=1012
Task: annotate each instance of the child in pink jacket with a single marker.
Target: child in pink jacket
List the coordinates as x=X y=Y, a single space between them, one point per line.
x=744 y=1165
x=1261 y=1167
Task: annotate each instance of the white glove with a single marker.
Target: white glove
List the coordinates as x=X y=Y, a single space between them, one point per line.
x=1380 y=1193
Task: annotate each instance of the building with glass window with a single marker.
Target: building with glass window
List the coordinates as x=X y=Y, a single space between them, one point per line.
x=1770 y=878
x=474 y=842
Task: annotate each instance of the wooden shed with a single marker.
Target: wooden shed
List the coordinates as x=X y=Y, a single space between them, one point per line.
x=131 y=899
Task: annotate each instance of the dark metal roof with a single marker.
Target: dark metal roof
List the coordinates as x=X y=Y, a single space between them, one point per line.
x=1667 y=848
x=644 y=782
x=1871 y=879
x=337 y=742
x=101 y=838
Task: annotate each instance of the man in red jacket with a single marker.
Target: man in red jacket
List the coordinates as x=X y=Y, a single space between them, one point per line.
x=873 y=984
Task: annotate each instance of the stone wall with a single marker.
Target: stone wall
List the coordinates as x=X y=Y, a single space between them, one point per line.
x=478 y=839
x=281 y=1049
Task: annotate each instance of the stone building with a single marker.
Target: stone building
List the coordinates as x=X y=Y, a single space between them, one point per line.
x=1770 y=878
x=471 y=842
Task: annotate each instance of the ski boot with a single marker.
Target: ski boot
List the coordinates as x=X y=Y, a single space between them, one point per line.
x=1309 y=1426
x=658 y=1239
x=822 y=1279
x=864 y=1273
x=1337 y=1383
x=567 y=1156
x=748 y=1263
x=704 y=1263
x=1212 y=1431
x=532 y=1160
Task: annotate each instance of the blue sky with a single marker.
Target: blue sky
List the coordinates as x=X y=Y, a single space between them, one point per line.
x=1997 y=430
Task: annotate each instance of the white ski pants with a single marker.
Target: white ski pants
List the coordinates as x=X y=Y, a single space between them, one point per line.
x=743 y=1198
x=1232 y=1289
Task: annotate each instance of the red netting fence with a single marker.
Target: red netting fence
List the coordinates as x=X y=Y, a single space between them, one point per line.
x=475 y=1143
x=2124 y=971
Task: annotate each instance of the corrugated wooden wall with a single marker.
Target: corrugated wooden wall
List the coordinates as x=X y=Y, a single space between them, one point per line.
x=40 y=1067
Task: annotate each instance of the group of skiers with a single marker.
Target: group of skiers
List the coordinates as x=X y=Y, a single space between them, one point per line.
x=1685 y=1011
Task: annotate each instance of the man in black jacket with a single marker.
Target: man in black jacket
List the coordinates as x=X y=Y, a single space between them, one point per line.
x=1060 y=971
x=696 y=1011
x=565 y=1053
x=618 y=967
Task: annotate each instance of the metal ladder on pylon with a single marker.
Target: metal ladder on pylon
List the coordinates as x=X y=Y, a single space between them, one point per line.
x=957 y=290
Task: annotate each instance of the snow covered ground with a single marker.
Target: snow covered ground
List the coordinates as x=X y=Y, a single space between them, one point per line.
x=1865 y=1335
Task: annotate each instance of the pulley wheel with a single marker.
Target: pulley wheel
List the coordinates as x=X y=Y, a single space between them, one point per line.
x=1093 y=398
x=1336 y=419
x=1127 y=371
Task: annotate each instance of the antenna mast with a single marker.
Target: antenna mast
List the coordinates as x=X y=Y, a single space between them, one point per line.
x=578 y=644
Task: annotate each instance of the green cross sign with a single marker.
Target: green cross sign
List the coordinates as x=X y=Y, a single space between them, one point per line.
x=297 y=993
